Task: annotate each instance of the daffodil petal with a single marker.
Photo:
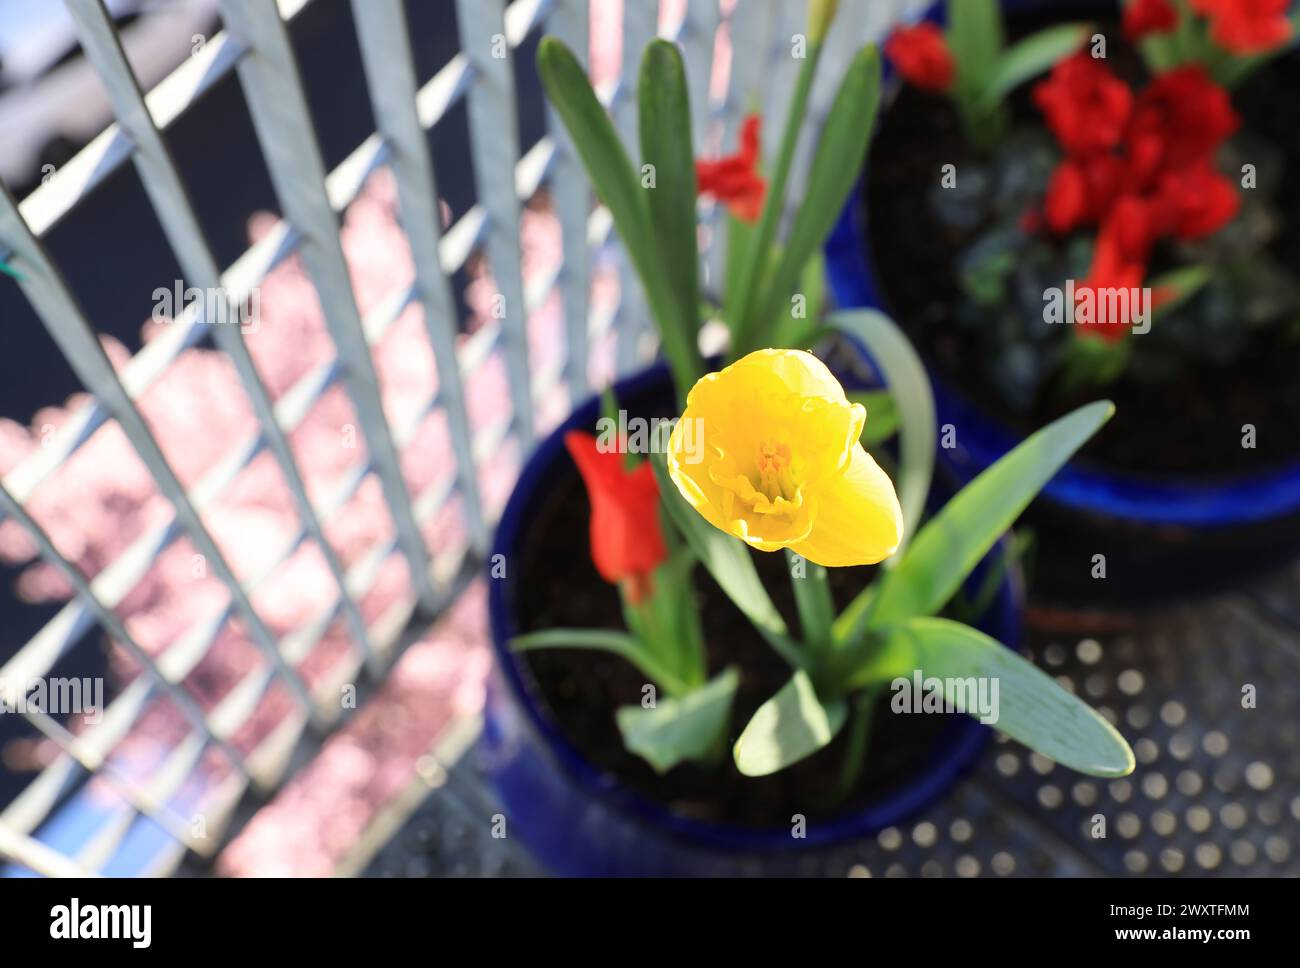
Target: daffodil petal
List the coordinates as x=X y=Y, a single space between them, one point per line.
x=801 y=374
x=858 y=519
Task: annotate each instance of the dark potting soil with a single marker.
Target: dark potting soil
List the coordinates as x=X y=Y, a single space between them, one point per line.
x=558 y=587
x=1189 y=425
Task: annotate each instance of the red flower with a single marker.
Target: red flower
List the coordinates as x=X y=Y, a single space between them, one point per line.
x=1082 y=191
x=1145 y=17
x=922 y=56
x=1111 y=270
x=1134 y=226
x=1247 y=26
x=1198 y=201
x=1066 y=207
x=626 y=541
x=1086 y=106
x=734 y=179
x=1186 y=114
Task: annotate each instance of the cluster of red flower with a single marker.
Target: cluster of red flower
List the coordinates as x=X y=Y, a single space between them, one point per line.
x=1138 y=167
x=1141 y=168
x=1239 y=26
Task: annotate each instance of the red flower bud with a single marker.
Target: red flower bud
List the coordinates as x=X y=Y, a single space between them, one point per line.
x=734 y=179
x=922 y=56
x=1146 y=17
x=1247 y=26
x=627 y=543
x=1111 y=270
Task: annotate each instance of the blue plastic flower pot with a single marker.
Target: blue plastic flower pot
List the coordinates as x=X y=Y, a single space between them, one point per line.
x=1158 y=533
x=579 y=820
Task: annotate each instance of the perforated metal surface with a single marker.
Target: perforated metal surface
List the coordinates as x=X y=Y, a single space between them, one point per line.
x=1216 y=790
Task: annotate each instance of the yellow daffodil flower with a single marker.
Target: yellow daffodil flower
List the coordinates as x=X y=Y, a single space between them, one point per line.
x=782 y=466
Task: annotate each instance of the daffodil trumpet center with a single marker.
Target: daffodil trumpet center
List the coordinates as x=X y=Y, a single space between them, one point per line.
x=775 y=471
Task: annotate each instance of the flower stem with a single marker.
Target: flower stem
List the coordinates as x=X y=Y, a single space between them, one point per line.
x=812 y=597
x=855 y=757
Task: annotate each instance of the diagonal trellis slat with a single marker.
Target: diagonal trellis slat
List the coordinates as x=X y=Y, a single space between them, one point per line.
x=494 y=144
x=570 y=23
x=386 y=53
x=281 y=118
x=640 y=24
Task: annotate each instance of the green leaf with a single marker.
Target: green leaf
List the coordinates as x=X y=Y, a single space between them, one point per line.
x=1031 y=706
x=956 y=538
x=1160 y=51
x=801 y=331
x=668 y=623
x=883 y=418
x=740 y=234
x=691 y=727
x=616 y=183
x=836 y=165
x=904 y=374
x=790 y=726
x=976 y=37
x=665 y=124
x=727 y=560
x=744 y=302
x=1091 y=363
x=602 y=640
x=1028 y=58
x=1178 y=286
x=969 y=607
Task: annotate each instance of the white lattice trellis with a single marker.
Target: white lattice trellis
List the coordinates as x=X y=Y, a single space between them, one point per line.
x=758 y=70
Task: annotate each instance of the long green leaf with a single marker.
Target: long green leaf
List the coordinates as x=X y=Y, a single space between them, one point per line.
x=1177 y=286
x=791 y=329
x=836 y=166
x=1028 y=58
x=1031 y=706
x=976 y=37
x=956 y=538
x=727 y=560
x=689 y=727
x=904 y=374
x=602 y=640
x=745 y=301
x=619 y=188
x=740 y=234
x=665 y=124
x=790 y=726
